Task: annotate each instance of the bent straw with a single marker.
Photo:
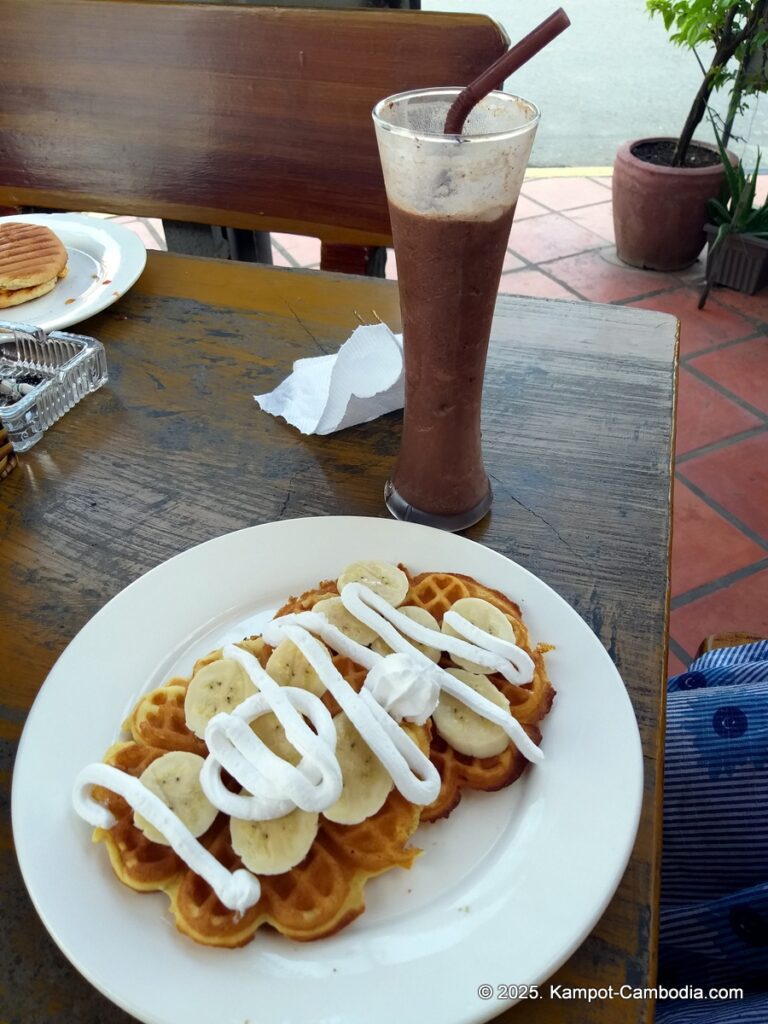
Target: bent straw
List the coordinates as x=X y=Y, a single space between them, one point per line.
x=502 y=68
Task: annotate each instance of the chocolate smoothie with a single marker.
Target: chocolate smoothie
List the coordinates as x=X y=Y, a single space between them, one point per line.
x=448 y=272
x=451 y=203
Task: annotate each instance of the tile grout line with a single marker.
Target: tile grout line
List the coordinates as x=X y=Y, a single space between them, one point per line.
x=724 y=442
x=567 y=210
x=528 y=265
x=721 y=511
x=746 y=406
x=679 y=651
x=562 y=284
x=160 y=241
x=681 y=600
x=720 y=345
x=286 y=255
x=603 y=247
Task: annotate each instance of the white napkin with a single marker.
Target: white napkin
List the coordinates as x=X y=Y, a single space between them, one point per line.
x=364 y=380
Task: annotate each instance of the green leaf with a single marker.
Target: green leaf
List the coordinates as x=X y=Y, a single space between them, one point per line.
x=731 y=177
x=717 y=212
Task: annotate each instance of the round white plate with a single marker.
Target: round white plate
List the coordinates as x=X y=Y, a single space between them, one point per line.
x=506 y=889
x=105 y=260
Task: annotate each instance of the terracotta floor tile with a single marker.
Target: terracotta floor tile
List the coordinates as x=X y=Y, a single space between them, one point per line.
x=762 y=188
x=546 y=238
x=742 y=368
x=564 y=193
x=597 y=218
x=674 y=665
x=599 y=277
x=700 y=329
x=303 y=249
x=391 y=269
x=704 y=545
x=138 y=227
x=737 y=478
x=755 y=306
x=511 y=262
x=527 y=208
x=743 y=606
x=533 y=283
x=279 y=260
x=606 y=180
x=705 y=416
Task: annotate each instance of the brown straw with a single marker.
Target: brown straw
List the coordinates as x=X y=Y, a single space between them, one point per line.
x=501 y=69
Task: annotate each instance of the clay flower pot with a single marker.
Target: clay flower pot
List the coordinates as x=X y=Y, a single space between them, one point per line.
x=659 y=213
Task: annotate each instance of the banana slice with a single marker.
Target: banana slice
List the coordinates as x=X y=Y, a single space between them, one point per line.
x=333 y=609
x=485 y=616
x=382 y=578
x=464 y=729
x=272 y=734
x=272 y=847
x=175 y=778
x=219 y=686
x=288 y=666
x=420 y=615
x=366 y=782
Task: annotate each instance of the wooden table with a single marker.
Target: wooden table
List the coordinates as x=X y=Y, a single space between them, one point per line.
x=578 y=438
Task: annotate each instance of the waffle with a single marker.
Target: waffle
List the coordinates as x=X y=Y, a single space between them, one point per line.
x=315 y=899
x=436 y=592
x=137 y=862
x=325 y=891
x=32 y=259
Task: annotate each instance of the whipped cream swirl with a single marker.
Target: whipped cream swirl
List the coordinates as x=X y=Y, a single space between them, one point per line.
x=402 y=686
x=237 y=890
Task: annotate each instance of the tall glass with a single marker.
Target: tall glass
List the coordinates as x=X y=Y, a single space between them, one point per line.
x=451 y=201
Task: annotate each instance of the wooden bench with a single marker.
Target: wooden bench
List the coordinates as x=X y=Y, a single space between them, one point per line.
x=251 y=117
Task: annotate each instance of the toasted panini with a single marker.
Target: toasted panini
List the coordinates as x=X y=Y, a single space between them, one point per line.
x=30 y=256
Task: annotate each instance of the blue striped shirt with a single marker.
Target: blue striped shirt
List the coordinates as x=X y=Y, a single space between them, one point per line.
x=714 y=901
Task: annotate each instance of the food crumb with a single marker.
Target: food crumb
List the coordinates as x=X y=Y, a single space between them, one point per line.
x=69 y=302
x=108 y=281
x=116 y=294
x=464 y=910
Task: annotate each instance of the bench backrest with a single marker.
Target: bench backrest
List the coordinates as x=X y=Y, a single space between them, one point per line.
x=251 y=117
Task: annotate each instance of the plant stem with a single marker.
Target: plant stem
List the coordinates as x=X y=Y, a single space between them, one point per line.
x=735 y=101
x=726 y=48
x=696 y=113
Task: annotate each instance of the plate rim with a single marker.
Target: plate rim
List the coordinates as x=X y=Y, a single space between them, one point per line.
x=485 y=1011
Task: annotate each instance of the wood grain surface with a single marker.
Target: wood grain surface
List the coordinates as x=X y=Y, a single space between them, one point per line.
x=239 y=116
x=173 y=451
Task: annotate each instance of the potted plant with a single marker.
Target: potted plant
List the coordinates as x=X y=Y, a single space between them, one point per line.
x=737 y=256
x=661 y=186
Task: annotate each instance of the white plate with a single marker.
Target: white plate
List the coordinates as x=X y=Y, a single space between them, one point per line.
x=506 y=889
x=105 y=260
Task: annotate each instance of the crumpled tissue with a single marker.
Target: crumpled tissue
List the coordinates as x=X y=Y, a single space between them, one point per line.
x=362 y=381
